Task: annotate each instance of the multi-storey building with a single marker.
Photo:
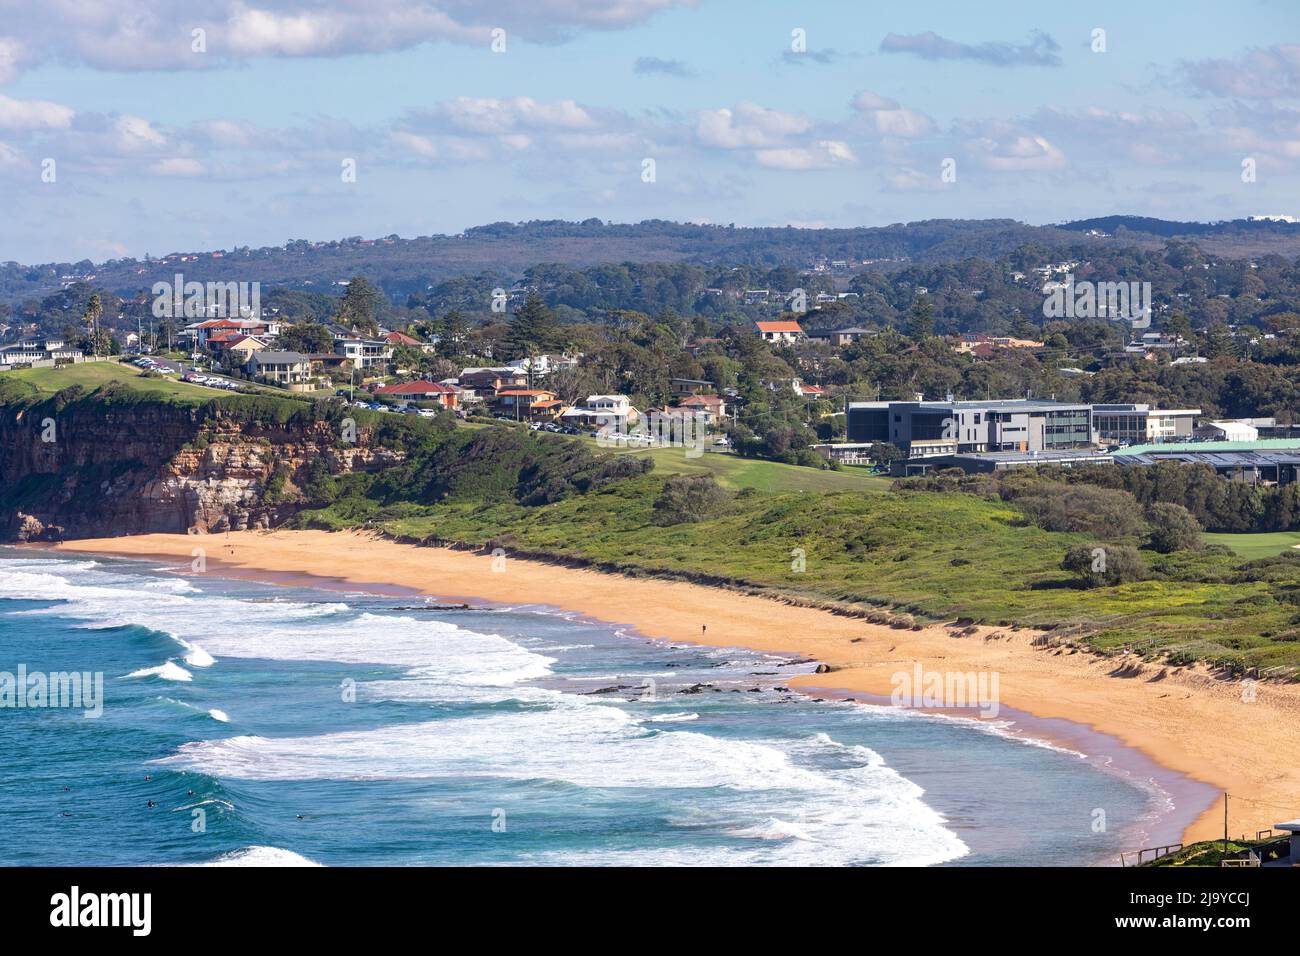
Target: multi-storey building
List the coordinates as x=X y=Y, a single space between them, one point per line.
x=922 y=429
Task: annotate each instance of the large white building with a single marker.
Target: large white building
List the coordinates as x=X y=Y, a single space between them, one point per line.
x=1137 y=424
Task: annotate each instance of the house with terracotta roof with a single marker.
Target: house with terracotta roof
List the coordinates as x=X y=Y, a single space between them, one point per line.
x=983 y=346
x=202 y=332
x=528 y=404
x=401 y=338
x=448 y=396
x=713 y=407
x=784 y=332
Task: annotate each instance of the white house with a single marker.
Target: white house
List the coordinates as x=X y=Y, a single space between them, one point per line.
x=783 y=331
x=600 y=410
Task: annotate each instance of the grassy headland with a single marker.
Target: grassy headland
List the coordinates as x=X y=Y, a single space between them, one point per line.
x=933 y=555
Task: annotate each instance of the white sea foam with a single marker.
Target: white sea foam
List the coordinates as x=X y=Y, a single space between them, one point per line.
x=261 y=856
x=169 y=670
x=210 y=626
x=862 y=812
x=220 y=715
x=196 y=656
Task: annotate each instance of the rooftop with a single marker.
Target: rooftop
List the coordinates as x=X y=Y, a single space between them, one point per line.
x=1032 y=457
x=406 y=388
x=278 y=358
x=1212 y=447
x=1230 y=459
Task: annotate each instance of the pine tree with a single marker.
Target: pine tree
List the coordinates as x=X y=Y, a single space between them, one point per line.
x=451 y=331
x=920 y=323
x=357 y=307
x=533 y=329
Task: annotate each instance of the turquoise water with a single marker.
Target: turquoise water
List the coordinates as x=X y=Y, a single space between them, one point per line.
x=274 y=724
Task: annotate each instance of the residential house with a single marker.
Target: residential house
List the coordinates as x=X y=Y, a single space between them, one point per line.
x=599 y=410
x=785 y=332
x=842 y=337
x=242 y=348
x=486 y=382
x=682 y=387
x=712 y=407
x=448 y=396
x=540 y=366
x=528 y=404
x=201 y=332
x=46 y=351
x=361 y=351
x=983 y=346
x=283 y=368
x=395 y=339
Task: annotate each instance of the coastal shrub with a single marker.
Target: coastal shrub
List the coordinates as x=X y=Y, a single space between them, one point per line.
x=690 y=499
x=1100 y=512
x=1173 y=528
x=1099 y=565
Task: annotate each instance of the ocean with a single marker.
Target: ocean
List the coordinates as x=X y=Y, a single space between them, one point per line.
x=251 y=723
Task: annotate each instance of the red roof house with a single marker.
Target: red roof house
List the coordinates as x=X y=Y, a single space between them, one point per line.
x=448 y=396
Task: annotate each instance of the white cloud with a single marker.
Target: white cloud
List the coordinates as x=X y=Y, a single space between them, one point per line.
x=131 y=35
x=134 y=134
x=12 y=56
x=421 y=146
x=825 y=154
x=749 y=126
x=33 y=114
x=868 y=101
x=1025 y=152
x=1260 y=73
x=903 y=123
x=490 y=115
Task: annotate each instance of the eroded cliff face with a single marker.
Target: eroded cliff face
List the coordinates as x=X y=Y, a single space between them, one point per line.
x=91 y=470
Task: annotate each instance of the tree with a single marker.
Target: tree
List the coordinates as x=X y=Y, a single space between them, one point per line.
x=920 y=322
x=1173 y=528
x=452 y=332
x=94 y=311
x=307 y=337
x=358 y=305
x=533 y=329
x=1102 y=565
x=1219 y=341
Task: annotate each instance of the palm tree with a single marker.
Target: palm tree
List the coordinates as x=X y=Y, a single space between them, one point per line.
x=94 y=309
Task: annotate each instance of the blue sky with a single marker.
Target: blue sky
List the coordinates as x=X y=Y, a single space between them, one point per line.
x=158 y=148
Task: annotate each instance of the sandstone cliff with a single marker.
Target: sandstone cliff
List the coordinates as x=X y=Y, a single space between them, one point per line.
x=91 y=469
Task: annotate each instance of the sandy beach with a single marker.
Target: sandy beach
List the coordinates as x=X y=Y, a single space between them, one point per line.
x=1186 y=720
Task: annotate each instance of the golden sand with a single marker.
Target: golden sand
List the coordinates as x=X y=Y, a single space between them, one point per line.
x=1184 y=719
